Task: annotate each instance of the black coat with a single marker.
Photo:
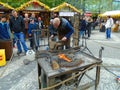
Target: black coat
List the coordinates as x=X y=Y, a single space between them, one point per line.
x=17 y=25
x=83 y=25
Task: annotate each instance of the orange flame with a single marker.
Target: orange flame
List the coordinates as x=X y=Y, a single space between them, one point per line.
x=62 y=56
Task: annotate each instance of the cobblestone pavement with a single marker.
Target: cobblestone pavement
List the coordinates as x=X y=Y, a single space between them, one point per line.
x=110 y=57
x=24 y=77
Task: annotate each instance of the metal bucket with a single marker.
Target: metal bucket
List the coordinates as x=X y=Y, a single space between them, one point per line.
x=7 y=45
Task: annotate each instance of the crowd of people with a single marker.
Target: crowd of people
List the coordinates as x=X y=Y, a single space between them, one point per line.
x=30 y=27
x=85 y=26
x=106 y=25
x=22 y=27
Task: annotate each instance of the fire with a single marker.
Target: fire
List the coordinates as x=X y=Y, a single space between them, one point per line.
x=62 y=56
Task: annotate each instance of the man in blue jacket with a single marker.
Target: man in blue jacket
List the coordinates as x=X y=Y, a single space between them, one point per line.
x=82 y=27
x=17 y=27
x=65 y=30
x=4 y=29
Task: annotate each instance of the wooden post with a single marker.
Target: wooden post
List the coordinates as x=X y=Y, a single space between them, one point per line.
x=76 y=32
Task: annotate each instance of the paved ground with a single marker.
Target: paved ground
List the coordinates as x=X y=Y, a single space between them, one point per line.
x=18 y=76
x=110 y=57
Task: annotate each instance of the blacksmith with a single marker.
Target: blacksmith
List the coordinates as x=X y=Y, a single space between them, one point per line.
x=65 y=30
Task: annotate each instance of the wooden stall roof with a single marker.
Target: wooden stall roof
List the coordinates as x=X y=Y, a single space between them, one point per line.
x=63 y=5
x=5 y=6
x=27 y=4
x=114 y=14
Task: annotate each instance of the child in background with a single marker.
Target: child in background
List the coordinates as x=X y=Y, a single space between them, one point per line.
x=33 y=34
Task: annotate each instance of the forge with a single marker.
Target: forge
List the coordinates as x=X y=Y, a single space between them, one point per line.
x=78 y=64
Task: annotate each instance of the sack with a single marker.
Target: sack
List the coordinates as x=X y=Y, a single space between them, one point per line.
x=30 y=54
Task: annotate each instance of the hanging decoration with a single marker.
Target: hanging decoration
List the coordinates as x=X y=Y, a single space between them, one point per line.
x=6 y=5
x=64 y=5
x=35 y=3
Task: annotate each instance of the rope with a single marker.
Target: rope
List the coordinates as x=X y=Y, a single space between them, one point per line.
x=106 y=45
x=6 y=66
x=62 y=82
x=108 y=70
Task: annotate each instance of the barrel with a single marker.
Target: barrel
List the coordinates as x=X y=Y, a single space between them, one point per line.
x=7 y=45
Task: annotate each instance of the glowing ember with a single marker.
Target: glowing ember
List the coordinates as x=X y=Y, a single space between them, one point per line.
x=62 y=56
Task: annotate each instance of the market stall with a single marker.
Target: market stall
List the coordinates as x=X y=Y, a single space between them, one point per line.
x=37 y=7
x=115 y=15
x=72 y=14
x=5 y=8
x=65 y=10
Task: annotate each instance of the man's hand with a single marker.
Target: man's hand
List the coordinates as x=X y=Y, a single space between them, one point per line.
x=50 y=39
x=30 y=34
x=51 y=36
x=64 y=39
x=12 y=31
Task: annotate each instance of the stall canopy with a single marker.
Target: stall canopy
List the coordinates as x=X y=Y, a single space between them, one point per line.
x=65 y=9
x=33 y=5
x=115 y=13
x=4 y=6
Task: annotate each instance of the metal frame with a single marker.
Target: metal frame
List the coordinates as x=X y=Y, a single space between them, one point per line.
x=49 y=79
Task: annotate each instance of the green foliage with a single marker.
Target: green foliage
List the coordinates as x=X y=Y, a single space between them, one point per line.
x=14 y=3
x=17 y=3
x=87 y=5
x=52 y=3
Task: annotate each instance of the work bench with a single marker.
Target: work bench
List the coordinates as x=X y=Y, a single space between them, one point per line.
x=48 y=76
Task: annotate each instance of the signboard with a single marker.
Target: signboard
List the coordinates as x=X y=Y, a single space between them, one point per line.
x=66 y=13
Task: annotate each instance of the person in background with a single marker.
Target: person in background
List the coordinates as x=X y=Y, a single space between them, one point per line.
x=40 y=23
x=89 y=21
x=40 y=30
x=17 y=27
x=4 y=29
x=64 y=29
x=33 y=17
x=108 y=25
x=102 y=26
x=26 y=21
x=82 y=26
x=33 y=34
x=55 y=15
